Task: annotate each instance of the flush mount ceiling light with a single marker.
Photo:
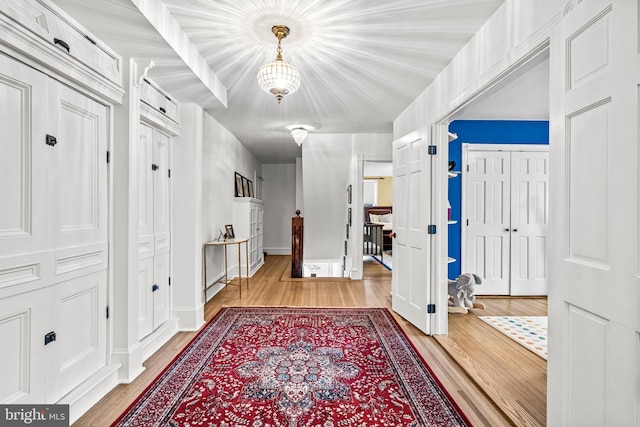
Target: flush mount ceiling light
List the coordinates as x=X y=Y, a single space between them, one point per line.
x=278 y=77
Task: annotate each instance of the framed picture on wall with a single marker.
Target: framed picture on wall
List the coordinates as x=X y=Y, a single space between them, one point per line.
x=238 y=185
x=245 y=187
x=229 y=232
x=250 y=188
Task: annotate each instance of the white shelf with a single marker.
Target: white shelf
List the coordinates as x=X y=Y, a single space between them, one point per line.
x=451 y=221
x=453 y=174
x=450 y=260
x=452 y=136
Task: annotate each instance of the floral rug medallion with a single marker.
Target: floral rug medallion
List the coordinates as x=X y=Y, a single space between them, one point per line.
x=294 y=367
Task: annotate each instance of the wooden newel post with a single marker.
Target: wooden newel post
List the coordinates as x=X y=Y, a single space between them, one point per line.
x=297 y=233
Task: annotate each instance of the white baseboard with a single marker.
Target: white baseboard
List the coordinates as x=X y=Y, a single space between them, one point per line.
x=87 y=394
x=189 y=318
x=277 y=251
x=158 y=338
x=130 y=362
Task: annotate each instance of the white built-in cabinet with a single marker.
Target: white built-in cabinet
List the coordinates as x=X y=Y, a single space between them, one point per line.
x=54 y=216
x=159 y=123
x=248 y=221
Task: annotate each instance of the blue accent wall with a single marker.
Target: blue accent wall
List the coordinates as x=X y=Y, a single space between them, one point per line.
x=483 y=132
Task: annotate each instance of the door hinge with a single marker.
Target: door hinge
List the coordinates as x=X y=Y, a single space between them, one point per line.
x=431 y=308
x=169 y=280
x=154 y=287
x=467 y=168
x=169 y=172
x=50 y=337
x=107 y=312
x=467 y=222
x=431 y=229
x=154 y=167
x=108 y=156
x=432 y=150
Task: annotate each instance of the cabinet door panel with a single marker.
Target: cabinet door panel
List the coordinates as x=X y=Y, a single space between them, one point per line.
x=80 y=308
x=145 y=297
x=145 y=182
x=161 y=297
x=80 y=216
x=161 y=193
x=22 y=329
x=24 y=163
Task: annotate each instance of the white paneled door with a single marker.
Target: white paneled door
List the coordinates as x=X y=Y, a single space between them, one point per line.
x=506 y=219
x=411 y=281
x=594 y=326
x=154 y=240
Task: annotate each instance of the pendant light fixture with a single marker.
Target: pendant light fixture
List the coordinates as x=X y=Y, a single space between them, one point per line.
x=278 y=77
x=299 y=134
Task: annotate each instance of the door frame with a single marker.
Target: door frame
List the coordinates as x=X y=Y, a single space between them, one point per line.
x=466 y=148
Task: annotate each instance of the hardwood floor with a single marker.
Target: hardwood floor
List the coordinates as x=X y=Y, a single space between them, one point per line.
x=494 y=381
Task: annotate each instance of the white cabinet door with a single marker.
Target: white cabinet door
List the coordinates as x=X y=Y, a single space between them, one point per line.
x=25 y=162
x=79 y=307
x=23 y=325
x=594 y=326
x=80 y=175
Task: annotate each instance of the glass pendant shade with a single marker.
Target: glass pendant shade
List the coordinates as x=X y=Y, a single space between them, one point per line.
x=278 y=77
x=299 y=134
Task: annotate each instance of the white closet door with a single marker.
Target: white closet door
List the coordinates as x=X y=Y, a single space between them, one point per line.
x=146 y=238
x=529 y=222
x=486 y=254
x=161 y=227
x=25 y=162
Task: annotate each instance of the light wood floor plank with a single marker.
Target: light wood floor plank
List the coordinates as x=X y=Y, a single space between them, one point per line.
x=476 y=364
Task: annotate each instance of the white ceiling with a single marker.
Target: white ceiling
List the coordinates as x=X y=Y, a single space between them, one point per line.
x=361 y=61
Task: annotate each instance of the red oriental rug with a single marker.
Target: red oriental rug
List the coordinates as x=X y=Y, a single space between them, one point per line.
x=294 y=367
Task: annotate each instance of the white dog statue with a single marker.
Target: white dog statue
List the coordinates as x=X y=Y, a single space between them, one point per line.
x=462 y=293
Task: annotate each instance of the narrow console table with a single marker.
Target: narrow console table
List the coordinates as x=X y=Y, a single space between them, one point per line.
x=225 y=279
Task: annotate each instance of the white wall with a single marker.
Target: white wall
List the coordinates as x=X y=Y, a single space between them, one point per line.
x=326 y=161
x=222 y=156
x=279 y=193
x=186 y=180
x=516 y=28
